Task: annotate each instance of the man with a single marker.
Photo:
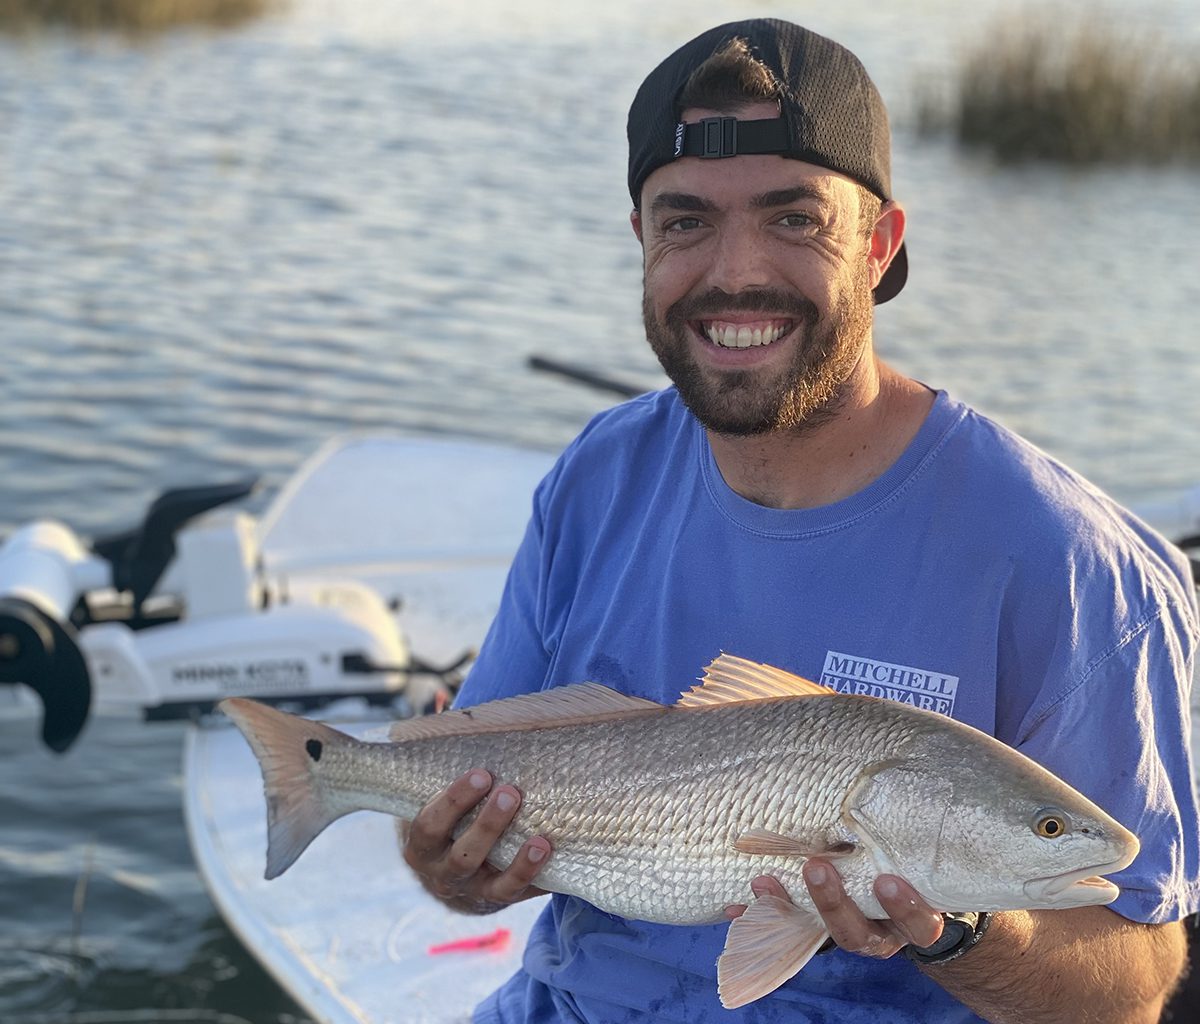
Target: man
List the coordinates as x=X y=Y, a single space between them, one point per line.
x=796 y=501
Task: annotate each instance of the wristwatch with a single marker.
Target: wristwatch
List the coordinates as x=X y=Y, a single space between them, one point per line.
x=959 y=933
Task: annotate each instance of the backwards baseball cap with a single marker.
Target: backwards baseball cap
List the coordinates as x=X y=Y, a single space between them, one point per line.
x=830 y=114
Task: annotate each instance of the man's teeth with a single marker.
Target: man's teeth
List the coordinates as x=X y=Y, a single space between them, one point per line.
x=733 y=336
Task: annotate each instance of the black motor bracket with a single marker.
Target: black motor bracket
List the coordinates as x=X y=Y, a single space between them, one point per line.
x=140 y=556
x=44 y=654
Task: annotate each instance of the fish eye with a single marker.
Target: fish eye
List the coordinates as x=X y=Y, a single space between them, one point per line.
x=1050 y=824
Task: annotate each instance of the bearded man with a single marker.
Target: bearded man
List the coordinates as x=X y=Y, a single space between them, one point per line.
x=797 y=501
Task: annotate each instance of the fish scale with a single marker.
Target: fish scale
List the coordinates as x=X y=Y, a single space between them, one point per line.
x=667 y=814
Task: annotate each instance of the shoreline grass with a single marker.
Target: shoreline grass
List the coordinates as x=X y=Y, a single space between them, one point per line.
x=1083 y=93
x=128 y=15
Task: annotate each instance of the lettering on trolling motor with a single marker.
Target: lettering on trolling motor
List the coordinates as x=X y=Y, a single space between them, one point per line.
x=922 y=688
x=273 y=674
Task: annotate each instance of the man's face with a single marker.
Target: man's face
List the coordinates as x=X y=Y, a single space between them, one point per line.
x=757 y=284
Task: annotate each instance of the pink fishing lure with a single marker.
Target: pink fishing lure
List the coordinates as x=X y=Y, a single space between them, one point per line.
x=493 y=940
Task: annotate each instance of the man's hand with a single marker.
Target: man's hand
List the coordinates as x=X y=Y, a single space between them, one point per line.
x=456 y=871
x=911 y=919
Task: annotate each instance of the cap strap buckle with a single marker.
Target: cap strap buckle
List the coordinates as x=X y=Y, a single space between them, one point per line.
x=719 y=137
x=726 y=136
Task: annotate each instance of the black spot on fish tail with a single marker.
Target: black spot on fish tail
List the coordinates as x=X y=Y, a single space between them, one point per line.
x=314 y=748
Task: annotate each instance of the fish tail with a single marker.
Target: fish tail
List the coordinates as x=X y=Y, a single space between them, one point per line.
x=289 y=751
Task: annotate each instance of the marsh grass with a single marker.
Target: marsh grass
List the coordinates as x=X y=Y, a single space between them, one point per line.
x=128 y=15
x=1084 y=93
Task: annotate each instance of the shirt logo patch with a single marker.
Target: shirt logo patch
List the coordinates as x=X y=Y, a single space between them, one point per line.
x=922 y=688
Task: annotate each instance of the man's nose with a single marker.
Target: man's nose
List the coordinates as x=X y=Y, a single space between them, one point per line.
x=741 y=260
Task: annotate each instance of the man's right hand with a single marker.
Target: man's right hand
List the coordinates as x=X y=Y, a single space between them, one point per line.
x=455 y=870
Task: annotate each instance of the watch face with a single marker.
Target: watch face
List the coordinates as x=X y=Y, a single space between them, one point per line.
x=959 y=933
x=953 y=932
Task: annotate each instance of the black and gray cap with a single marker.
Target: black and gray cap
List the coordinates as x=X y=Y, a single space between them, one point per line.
x=831 y=115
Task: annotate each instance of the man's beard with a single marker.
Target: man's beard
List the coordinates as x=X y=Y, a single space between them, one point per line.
x=805 y=394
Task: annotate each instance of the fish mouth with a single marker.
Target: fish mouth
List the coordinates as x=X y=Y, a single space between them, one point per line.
x=1081 y=888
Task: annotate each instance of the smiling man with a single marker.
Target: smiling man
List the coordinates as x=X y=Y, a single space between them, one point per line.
x=758 y=295
x=795 y=500
x=759 y=278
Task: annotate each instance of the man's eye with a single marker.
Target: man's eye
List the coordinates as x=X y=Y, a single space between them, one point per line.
x=684 y=224
x=796 y=220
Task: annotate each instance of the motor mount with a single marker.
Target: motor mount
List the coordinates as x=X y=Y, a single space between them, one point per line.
x=43 y=653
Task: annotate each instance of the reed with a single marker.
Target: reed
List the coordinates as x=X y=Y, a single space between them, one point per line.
x=1035 y=88
x=128 y=15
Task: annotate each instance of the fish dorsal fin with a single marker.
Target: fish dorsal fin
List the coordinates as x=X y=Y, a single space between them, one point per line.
x=578 y=704
x=729 y=679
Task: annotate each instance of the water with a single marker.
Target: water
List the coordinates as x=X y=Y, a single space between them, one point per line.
x=216 y=250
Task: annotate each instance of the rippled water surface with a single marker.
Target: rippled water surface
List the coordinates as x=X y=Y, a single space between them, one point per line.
x=218 y=249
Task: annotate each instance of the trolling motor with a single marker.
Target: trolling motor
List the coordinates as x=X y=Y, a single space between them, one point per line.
x=43 y=568
x=46 y=574
x=167 y=619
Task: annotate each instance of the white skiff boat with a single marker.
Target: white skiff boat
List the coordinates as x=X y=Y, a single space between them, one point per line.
x=364 y=582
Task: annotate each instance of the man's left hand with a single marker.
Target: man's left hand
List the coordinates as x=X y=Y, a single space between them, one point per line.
x=910 y=918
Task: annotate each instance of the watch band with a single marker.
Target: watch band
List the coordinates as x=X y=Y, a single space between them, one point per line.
x=959 y=934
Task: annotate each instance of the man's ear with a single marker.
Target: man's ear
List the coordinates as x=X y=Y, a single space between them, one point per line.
x=886 y=238
x=635 y=221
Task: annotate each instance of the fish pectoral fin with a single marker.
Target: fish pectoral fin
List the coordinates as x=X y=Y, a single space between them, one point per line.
x=767 y=945
x=729 y=679
x=762 y=842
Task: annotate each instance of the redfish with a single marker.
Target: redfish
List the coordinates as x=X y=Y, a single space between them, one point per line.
x=666 y=813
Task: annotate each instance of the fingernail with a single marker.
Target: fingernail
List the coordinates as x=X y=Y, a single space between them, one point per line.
x=480 y=780
x=889 y=888
x=817 y=875
x=505 y=801
x=535 y=854
x=759 y=888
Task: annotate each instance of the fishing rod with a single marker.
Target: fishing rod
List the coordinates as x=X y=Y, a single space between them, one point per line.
x=582 y=375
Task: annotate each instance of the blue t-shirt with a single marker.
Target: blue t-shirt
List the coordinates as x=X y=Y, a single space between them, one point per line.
x=976 y=577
